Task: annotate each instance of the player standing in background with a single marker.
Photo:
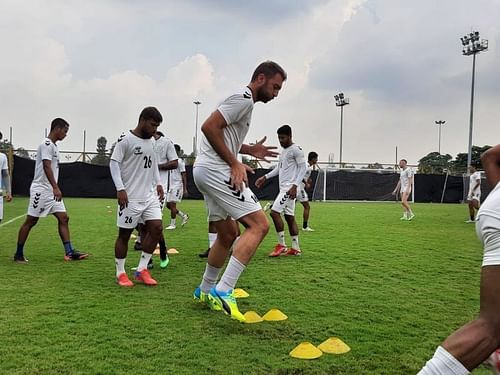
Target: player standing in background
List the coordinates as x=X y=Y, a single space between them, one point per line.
x=45 y=195
x=474 y=196
x=223 y=181
x=305 y=184
x=177 y=188
x=4 y=181
x=479 y=340
x=404 y=186
x=134 y=169
x=291 y=170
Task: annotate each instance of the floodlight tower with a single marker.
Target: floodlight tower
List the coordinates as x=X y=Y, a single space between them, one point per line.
x=472 y=45
x=341 y=101
x=439 y=123
x=195 y=146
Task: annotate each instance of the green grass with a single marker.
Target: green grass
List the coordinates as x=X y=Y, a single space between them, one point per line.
x=391 y=290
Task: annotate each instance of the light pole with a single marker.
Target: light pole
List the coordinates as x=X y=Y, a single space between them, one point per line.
x=341 y=101
x=472 y=46
x=195 y=146
x=439 y=123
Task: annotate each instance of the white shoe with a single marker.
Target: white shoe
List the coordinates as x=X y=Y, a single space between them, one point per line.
x=267 y=206
x=411 y=216
x=308 y=229
x=170 y=227
x=403 y=217
x=185 y=219
x=470 y=221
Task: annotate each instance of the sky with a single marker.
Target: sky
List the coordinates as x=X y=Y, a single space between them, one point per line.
x=98 y=63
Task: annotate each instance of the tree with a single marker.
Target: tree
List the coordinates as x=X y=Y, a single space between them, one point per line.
x=460 y=162
x=374 y=166
x=434 y=163
x=102 y=157
x=252 y=163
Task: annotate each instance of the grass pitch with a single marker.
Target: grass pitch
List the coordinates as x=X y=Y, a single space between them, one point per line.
x=391 y=290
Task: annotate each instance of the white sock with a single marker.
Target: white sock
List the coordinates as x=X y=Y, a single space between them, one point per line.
x=209 y=278
x=138 y=239
x=443 y=363
x=120 y=266
x=281 y=238
x=172 y=222
x=211 y=239
x=231 y=275
x=295 y=242
x=143 y=262
x=182 y=214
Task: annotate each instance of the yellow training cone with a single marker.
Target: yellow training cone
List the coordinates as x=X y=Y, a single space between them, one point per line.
x=133 y=236
x=240 y=293
x=252 y=317
x=274 y=315
x=306 y=350
x=334 y=345
x=172 y=250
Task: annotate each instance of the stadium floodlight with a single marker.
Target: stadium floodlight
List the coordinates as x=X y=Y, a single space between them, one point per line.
x=472 y=45
x=341 y=101
x=439 y=123
x=195 y=146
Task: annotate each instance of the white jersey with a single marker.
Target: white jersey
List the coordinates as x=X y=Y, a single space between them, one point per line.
x=306 y=177
x=137 y=159
x=165 y=152
x=405 y=175
x=46 y=151
x=473 y=180
x=3 y=167
x=176 y=174
x=291 y=163
x=237 y=111
x=491 y=206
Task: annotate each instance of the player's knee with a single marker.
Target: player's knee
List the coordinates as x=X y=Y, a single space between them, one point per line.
x=262 y=227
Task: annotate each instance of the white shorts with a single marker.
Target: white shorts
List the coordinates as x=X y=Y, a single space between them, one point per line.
x=283 y=204
x=42 y=203
x=175 y=193
x=488 y=231
x=221 y=197
x=138 y=212
x=1 y=206
x=473 y=197
x=302 y=196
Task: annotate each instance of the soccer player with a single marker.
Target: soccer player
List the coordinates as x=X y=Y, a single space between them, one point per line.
x=404 y=186
x=167 y=162
x=45 y=195
x=223 y=181
x=177 y=188
x=478 y=340
x=305 y=184
x=474 y=196
x=291 y=170
x=5 y=181
x=134 y=169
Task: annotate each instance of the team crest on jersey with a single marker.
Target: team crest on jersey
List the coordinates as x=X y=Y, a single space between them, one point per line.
x=137 y=150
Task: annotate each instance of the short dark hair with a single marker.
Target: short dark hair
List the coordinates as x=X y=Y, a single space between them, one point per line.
x=58 y=123
x=269 y=69
x=285 y=129
x=177 y=148
x=406 y=161
x=312 y=155
x=151 y=113
x=1 y=135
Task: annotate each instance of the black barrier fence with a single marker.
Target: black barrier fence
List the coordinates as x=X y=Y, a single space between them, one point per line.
x=93 y=181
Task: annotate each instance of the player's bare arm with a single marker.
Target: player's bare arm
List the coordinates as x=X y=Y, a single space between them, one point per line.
x=172 y=164
x=491 y=164
x=213 y=129
x=259 y=150
x=50 y=176
x=394 y=192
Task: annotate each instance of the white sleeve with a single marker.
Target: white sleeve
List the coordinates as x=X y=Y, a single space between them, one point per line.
x=116 y=175
x=301 y=164
x=234 y=108
x=182 y=166
x=156 y=175
x=6 y=180
x=171 y=153
x=273 y=173
x=46 y=150
x=119 y=150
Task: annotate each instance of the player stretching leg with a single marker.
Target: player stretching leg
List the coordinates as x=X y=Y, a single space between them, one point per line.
x=291 y=170
x=134 y=169
x=479 y=340
x=45 y=195
x=223 y=181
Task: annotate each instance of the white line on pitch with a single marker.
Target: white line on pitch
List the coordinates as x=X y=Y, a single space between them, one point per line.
x=12 y=220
